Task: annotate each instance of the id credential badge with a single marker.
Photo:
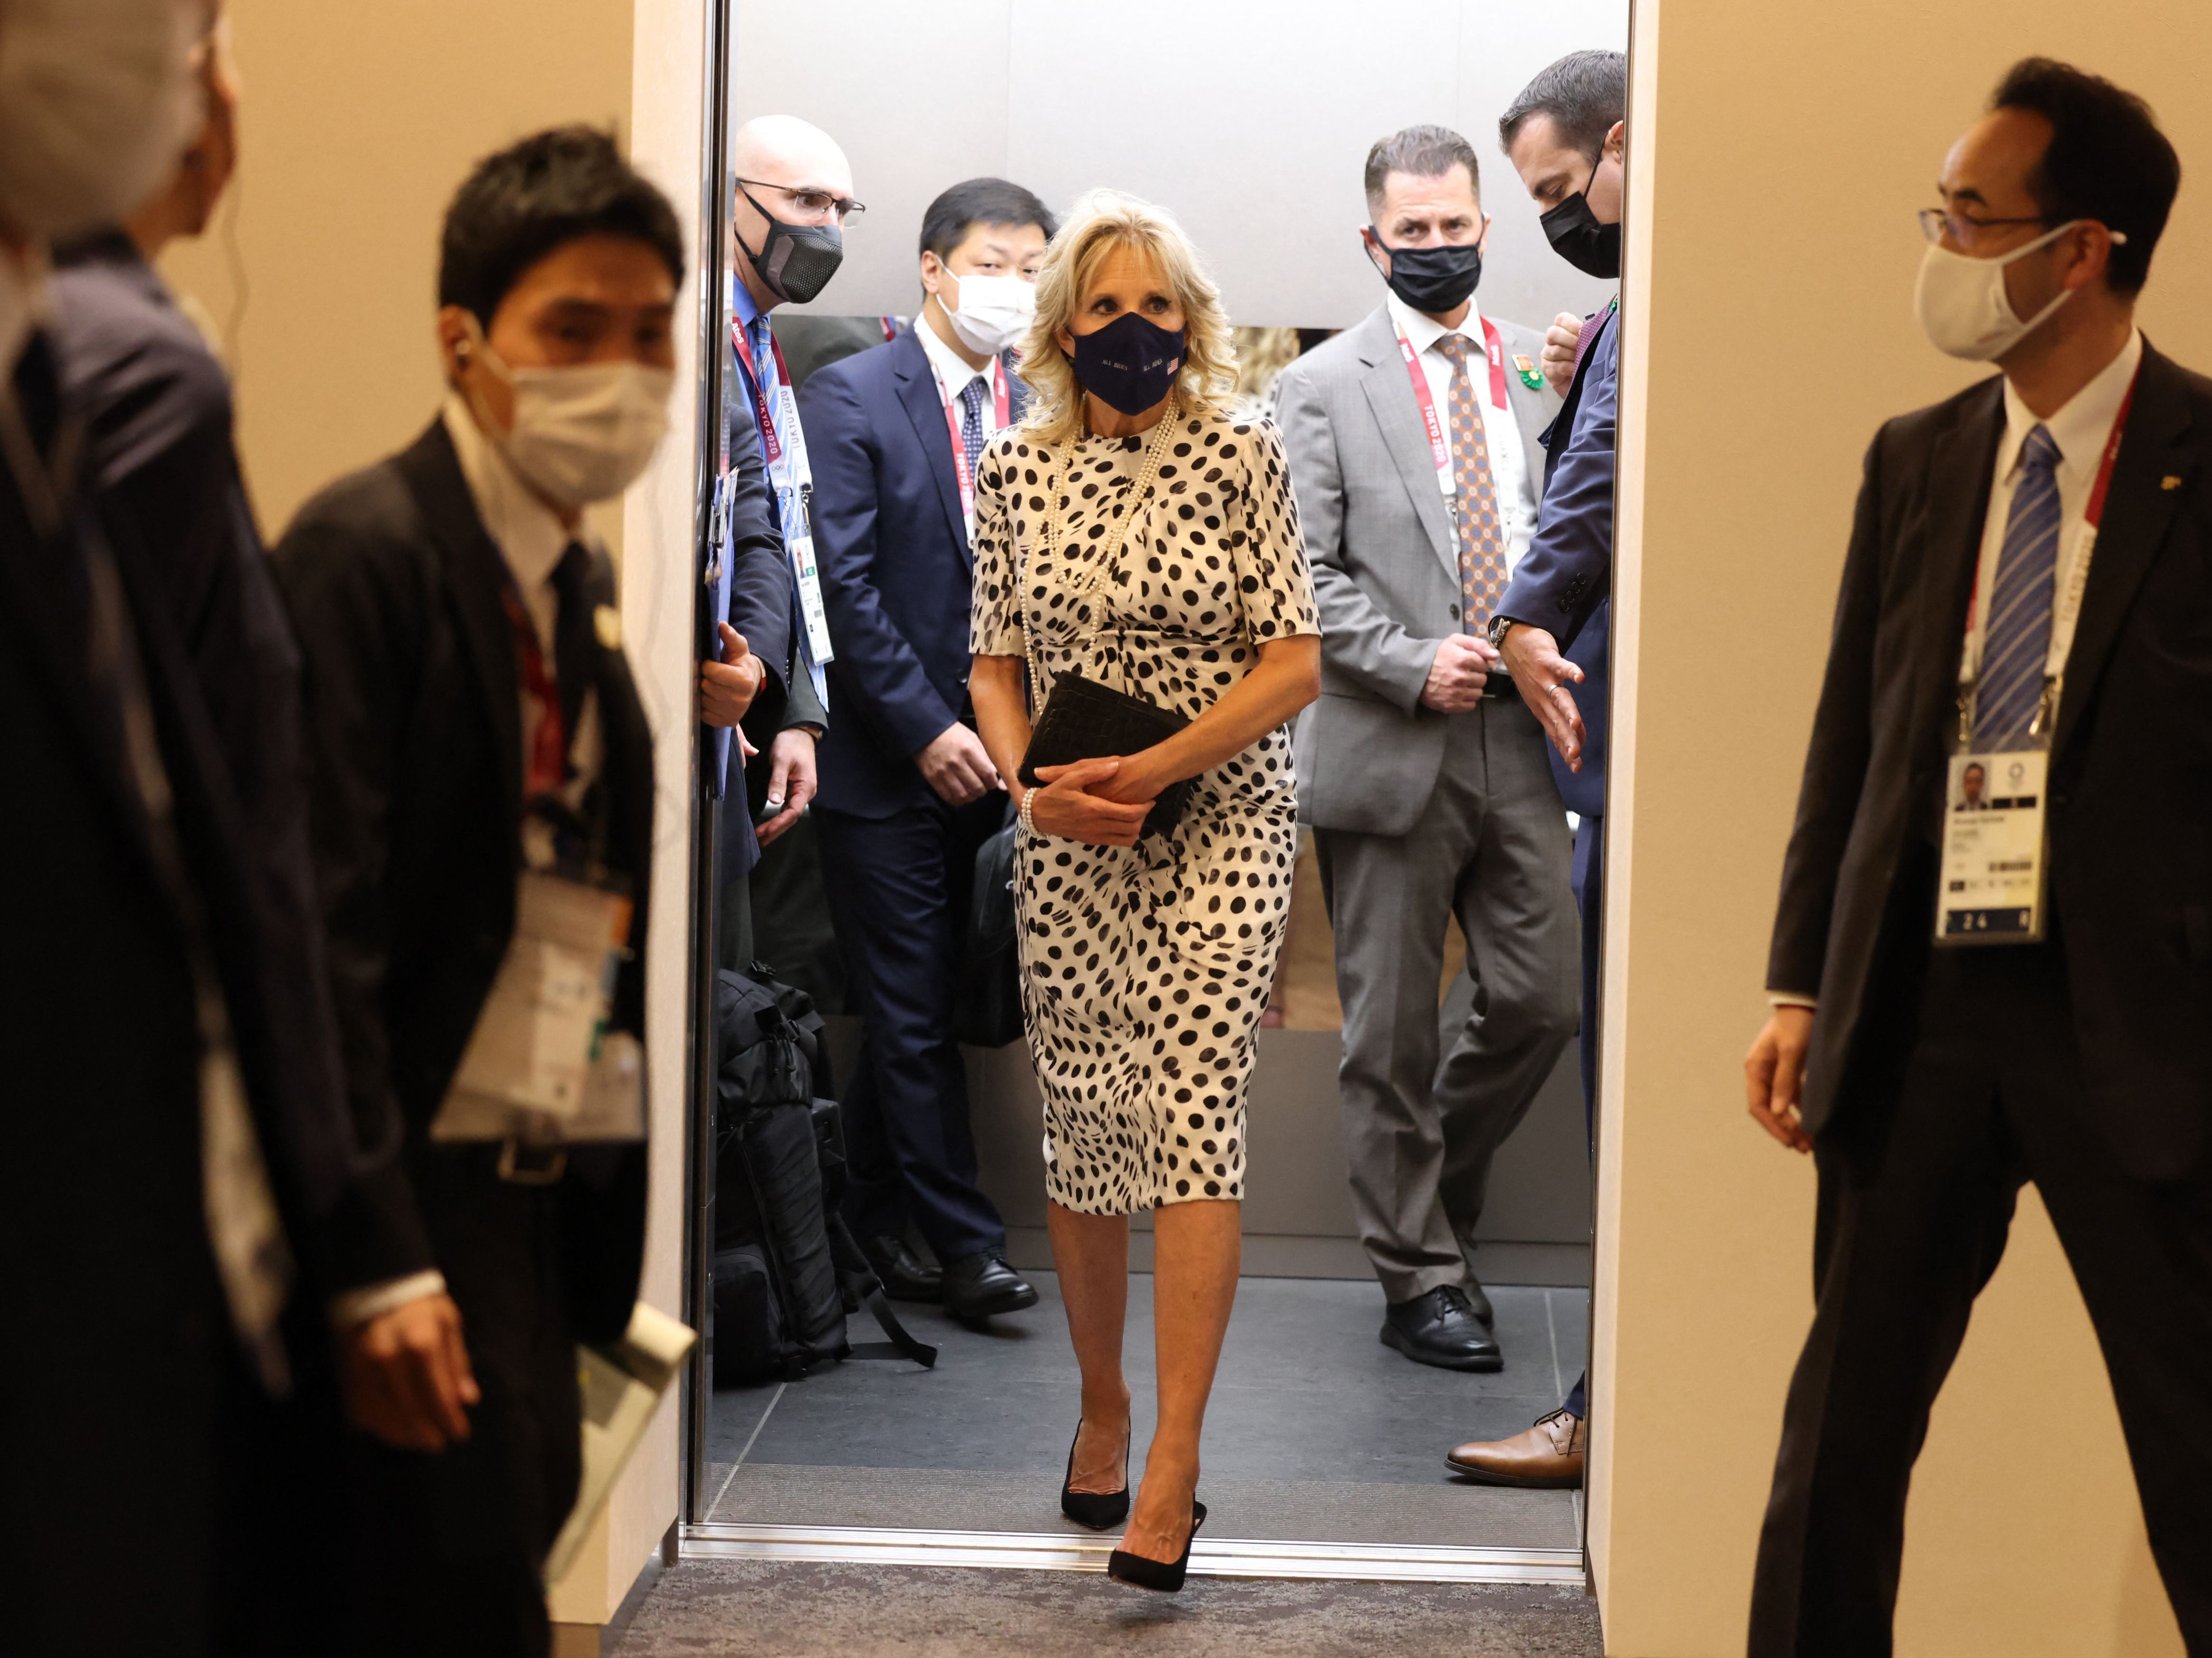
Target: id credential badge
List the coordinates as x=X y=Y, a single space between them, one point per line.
x=1995 y=886
x=1993 y=849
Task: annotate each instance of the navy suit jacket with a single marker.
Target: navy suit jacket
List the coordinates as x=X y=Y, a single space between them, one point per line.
x=897 y=570
x=1565 y=582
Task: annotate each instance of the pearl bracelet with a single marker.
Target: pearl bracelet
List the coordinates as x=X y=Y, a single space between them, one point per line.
x=1028 y=824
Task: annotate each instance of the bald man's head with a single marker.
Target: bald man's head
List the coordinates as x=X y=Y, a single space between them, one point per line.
x=783 y=149
x=787 y=172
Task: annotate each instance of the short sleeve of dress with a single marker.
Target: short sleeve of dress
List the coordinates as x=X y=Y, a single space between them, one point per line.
x=995 y=625
x=1273 y=581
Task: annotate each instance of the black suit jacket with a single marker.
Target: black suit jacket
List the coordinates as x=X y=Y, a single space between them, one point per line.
x=415 y=726
x=897 y=570
x=158 y=410
x=104 y=1254
x=2131 y=801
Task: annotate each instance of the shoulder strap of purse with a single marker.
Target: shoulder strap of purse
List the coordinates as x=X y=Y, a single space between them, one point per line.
x=1163 y=430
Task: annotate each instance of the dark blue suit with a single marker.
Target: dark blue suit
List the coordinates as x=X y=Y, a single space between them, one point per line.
x=1564 y=585
x=893 y=547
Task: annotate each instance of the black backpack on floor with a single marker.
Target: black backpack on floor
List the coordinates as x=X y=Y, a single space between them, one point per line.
x=786 y=1270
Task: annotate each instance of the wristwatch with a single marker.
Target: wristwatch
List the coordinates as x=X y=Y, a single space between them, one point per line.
x=1497 y=629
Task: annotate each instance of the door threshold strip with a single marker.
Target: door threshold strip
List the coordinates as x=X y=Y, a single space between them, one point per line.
x=1211 y=1556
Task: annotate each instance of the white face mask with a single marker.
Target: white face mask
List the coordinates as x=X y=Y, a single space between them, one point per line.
x=994 y=311
x=1962 y=304
x=97 y=102
x=582 y=433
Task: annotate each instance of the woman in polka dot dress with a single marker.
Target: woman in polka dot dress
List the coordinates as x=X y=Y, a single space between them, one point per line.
x=1127 y=530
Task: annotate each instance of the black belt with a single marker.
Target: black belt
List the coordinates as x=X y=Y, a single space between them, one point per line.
x=1500 y=686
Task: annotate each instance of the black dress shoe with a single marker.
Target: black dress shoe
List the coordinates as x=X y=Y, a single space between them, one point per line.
x=1145 y=1573
x=1440 y=1328
x=906 y=1276
x=978 y=1285
x=1479 y=1304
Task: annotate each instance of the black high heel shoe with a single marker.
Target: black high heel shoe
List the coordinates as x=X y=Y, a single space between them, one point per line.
x=1100 y=1510
x=1165 y=1575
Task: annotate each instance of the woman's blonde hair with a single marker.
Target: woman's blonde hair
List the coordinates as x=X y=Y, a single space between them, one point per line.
x=1101 y=222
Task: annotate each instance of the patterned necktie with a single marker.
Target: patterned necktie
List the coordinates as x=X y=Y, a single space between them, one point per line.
x=2018 y=639
x=972 y=422
x=1481 y=534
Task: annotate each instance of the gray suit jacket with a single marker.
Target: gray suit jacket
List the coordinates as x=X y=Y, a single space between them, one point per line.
x=1385 y=570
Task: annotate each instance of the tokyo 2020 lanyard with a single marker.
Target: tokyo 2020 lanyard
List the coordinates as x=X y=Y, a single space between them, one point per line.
x=1439 y=450
x=1002 y=398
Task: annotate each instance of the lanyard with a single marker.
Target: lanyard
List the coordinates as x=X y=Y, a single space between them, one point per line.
x=1439 y=450
x=548 y=743
x=1004 y=399
x=763 y=415
x=2066 y=611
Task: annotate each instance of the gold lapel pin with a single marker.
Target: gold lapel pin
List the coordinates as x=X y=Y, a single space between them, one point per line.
x=606 y=622
x=2169 y=483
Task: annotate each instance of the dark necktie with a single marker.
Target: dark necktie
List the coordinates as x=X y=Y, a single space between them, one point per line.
x=1475 y=501
x=972 y=422
x=575 y=649
x=2017 y=641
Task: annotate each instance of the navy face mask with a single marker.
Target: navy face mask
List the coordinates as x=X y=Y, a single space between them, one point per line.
x=1130 y=364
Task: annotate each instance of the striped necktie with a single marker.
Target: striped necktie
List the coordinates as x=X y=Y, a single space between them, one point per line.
x=2018 y=641
x=1481 y=531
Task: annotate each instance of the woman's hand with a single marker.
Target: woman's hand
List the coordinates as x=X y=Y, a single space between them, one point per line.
x=1067 y=806
x=1141 y=777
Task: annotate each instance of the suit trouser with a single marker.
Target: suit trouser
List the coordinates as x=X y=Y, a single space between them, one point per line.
x=899 y=889
x=1590 y=905
x=1492 y=848
x=1914 y=1207
x=446 y=1548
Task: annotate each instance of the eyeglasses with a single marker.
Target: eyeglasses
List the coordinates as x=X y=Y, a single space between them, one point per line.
x=815 y=206
x=1935 y=221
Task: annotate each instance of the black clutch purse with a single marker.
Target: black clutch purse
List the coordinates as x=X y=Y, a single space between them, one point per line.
x=1084 y=719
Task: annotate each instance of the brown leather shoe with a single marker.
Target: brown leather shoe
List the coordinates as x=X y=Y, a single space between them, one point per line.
x=1548 y=1457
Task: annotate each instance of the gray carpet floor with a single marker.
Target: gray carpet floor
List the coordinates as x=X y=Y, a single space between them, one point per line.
x=745 y=1609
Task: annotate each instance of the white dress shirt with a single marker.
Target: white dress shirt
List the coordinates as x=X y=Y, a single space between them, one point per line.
x=953 y=376
x=1501 y=432
x=531 y=538
x=2081 y=429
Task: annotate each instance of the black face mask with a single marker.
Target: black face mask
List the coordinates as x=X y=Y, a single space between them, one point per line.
x=1129 y=365
x=795 y=260
x=1577 y=236
x=1433 y=280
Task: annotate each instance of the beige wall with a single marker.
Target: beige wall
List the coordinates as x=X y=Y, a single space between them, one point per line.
x=360 y=120
x=1778 y=156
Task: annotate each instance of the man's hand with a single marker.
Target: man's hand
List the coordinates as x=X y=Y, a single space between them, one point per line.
x=405 y=1375
x=1560 y=340
x=1532 y=656
x=1774 y=1076
x=1065 y=807
x=958 y=766
x=1457 y=673
x=792 y=780
x=726 y=689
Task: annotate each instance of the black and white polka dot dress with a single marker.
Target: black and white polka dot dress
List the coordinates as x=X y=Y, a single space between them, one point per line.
x=1145 y=969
